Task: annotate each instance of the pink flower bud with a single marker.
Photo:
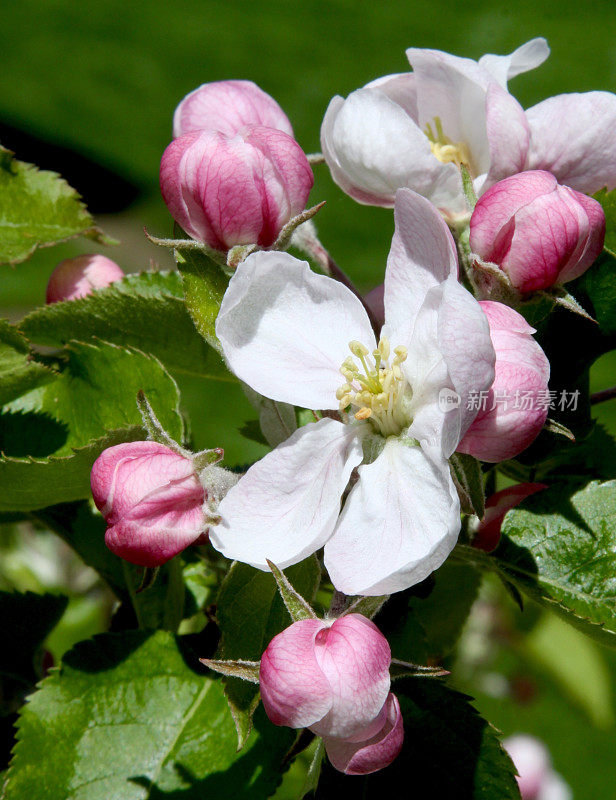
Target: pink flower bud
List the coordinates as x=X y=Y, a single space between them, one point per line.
x=228 y=106
x=332 y=677
x=514 y=411
x=361 y=758
x=538 y=232
x=151 y=499
x=241 y=189
x=487 y=533
x=80 y=276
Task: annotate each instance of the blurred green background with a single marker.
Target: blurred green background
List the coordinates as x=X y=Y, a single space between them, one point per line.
x=89 y=88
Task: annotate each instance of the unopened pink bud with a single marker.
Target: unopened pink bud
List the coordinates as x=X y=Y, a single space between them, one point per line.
x=514 y=411
x=537 y=780
x=487 y=533
x=234 y=190
x=361 y=758
x=331 y=677
x=538 y=232
x=80 y=276
x=228 y=106
x=151 y=500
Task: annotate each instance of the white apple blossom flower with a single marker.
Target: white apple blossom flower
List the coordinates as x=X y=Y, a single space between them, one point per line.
x=414 y=129
x=305 y=339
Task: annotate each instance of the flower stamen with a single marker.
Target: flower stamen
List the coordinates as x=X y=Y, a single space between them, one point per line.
x=444 y=149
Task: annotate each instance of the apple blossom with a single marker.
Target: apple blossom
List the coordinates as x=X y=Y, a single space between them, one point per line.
x=80 y=276
x=487 y=531
x=362 y=758
x=331 y=676
x=537 y=780
x=226 y=190
x=415 y=129
x=538 y=232
x=228 y=106
x=151 y=499
x=291 y=334
x=514 y=411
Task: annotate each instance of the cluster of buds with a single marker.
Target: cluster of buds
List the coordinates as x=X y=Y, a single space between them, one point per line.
x=233 y=175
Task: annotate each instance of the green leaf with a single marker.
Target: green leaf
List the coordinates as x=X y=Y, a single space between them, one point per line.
x=28 y=483
x=96 y=392
x=314 y=770
x=37 y=209
x=18 y=373
x=146 y=311
x=449 y=751
x=131 y=716
x=276 y=420
x=599 y=284
x=204 y=286
x=559 y=548
x=608 y=203
x=250 y=613
x=468 y=478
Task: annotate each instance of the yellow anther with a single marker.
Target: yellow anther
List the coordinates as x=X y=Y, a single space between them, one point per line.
x=343 y=390
x=384 y=348
x=345 y=401
x=443 y=148
x=401 y=353
x=397 y=372
x=358 y=349
x=363 y=413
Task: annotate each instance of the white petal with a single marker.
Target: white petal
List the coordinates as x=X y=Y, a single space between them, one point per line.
x=528 y=56
x=399 y=523
x=422 y=255
x=440 y=360
x=285 y=330
x=373 y=147
x=573 y=136
x=508 y=134
x=287 y=504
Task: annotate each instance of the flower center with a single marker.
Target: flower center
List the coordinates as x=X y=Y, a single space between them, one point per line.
x=376 y=387
x=443 y=148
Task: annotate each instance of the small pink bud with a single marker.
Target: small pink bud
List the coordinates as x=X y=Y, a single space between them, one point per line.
x=228 y=106
x=80 y=276
x=538 y=232
x=233 y=190
x=151 y=500
x=487 y=533
x=361 y=758
x=514 y=411
x=537 y=780
x=330 y=677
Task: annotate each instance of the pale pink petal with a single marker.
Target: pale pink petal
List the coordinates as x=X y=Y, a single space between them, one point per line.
x=285 y=330
x=528 y=56
x=80 y=276
x=401 y=88
x=590 y=247
x=508 y=135
x=398 y=525
x=294 y=690
x=487 y=532
x=373 y=147
x=354 y=656
x=362 y=758
x=422 y=255
x=287 y=504
x=574 y=137
x=227 y=106
x=532 y=761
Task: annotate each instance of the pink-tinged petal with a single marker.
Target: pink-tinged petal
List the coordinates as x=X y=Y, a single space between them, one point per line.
x=487 y=533
x=492 y=225
x=591 y=246
x=285 y=330
x=294 y=690
x=228 y=106
x=398 y=525
x=528 y=56
x=287 y=504
x=513 y=414
x=422 y=255
x=362 y=758
x=375 y=301
x=80 y=276
x=373 y=147
x=354 y=656
x=508 y=135
x=453 y=90
x=574 y=137
x=532 y=761
x=401 y=88
x=554 y=788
